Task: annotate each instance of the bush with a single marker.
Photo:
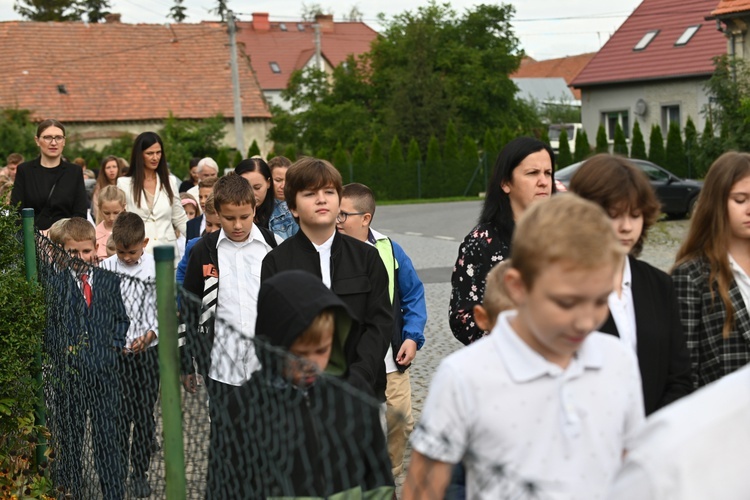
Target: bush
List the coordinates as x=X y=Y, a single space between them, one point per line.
x=602 y=142
x=639 y=144
x=564 y=157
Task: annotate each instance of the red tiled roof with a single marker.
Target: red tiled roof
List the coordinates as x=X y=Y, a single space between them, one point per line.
x=289 y=49
x=563 y=67
x=661 y=59
x=121 y=72
x=731 y=7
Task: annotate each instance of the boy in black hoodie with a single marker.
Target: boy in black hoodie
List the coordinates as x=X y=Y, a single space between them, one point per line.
x=310 y=435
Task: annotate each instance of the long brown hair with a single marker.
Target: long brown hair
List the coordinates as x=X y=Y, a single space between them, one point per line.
x=137 y=166
x=101 y=179
x=709 y=233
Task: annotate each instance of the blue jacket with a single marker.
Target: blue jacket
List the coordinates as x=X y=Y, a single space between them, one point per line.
x=282 y=221
x=413 y=304
x=182 y=266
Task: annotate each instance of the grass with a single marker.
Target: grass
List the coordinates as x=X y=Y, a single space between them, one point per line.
x=417 y=201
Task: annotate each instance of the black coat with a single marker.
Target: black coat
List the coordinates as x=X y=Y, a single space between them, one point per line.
x=33 y=186
x=194 y=228
x=359 y=278
x=663 y=356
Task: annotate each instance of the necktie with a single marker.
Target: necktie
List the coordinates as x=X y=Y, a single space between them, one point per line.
x=86 y=289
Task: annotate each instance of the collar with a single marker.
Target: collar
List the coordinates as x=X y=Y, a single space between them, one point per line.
x=627 y=274
x=327 y=244
x=525 y=364
x=736 y=268
x=255 y=235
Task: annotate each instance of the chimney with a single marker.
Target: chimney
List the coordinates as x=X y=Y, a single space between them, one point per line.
x=260 y=21
x=112 y=18
x=325 y=21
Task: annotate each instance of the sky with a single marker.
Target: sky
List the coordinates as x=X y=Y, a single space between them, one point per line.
x=546 y=28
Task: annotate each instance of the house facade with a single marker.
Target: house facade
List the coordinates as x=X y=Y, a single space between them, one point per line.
x=653 y=70
x=104 y=80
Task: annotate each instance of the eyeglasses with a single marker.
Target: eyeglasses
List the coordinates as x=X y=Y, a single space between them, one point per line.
x=49 y=139
x=342 y=216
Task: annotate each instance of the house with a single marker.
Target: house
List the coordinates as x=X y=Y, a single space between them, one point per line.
x=277 y=49
x=653 y=70
x=733 y=17
x=566 y=68
x=104 y=80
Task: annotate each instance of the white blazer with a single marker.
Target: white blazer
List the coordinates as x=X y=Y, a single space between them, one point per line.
x=162 y=221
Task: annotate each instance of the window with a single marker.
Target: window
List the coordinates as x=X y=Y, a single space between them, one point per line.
x=300 y=27
x=647 y=38
x=669 y=114
x=611 y=119
x=652 y=172
x=282 y=26
x=687 y=35
x=275 y=67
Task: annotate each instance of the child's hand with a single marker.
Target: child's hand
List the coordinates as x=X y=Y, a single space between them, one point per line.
x=190 y=382
x=407 y=353
x=141 y=343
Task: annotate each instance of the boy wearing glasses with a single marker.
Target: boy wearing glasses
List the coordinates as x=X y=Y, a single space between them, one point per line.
x=352 y=269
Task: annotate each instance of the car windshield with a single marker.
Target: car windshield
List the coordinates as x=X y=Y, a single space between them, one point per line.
x=653 y=173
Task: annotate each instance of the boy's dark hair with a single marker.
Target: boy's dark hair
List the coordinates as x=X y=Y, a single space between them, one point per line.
x=78 y=229
x=310 y=173
x=362 y=197
x=14 y=159
x=279 y=161
x=209 y=182
x=233 y=189
x=128 y=230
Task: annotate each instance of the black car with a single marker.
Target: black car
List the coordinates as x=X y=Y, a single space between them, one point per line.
x=677 y=196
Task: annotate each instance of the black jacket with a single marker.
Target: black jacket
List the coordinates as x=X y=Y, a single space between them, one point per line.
x=194 y=228
x=33 y=188
x=663 y=356
x=359 y=278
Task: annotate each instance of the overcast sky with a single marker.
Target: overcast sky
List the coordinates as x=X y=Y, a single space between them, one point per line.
x=546 y=28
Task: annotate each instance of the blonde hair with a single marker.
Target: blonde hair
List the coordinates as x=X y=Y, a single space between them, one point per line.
x=565 y=228
x=57 y=231
x=107 y=194
x=322 y=325
x=78 y=229
x=210 y=208
x=496 y=298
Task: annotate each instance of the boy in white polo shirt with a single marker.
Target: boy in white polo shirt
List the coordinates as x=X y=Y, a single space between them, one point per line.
x=543 y=405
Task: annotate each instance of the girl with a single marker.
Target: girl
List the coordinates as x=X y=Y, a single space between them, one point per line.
x=257 y=173
x=192 y=209
x=111 y=203
x=108 y=174
x=711 y=272
x=643 y=307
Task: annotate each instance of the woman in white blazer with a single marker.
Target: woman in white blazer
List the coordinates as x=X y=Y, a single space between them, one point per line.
x=151 y=192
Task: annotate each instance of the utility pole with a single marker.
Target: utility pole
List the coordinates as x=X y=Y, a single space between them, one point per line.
x=238 y=129
x=318 y=61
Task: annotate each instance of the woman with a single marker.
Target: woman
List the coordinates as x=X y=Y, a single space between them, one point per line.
x=711 y=272
x=257 y=173
x=108 y=174
x=151 y=193
x=523 y=174
x=53 y=187
x=643 y=306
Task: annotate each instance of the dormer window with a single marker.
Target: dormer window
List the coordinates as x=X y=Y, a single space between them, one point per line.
x=647 y=38
x=275 y=67
x=282 y=26
x=687 y=35
x=300 y=27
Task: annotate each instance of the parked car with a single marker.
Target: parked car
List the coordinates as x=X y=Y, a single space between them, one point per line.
x=677 y=196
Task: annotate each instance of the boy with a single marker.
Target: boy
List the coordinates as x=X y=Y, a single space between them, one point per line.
x=196 y=226
x=281 y=222
x=138 y=365
x=409 y=312
x=225 y=264
x=573 y=397
x=90 y=331
x=496 y=299
x=213 y=223
x=310 y=435
x=350 y=268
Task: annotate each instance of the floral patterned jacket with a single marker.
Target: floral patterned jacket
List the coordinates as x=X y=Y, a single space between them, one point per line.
x=482 y=249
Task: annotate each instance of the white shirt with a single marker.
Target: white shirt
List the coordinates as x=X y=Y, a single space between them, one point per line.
x=742 y=280
x=623 y=309
x=233 y=358
x=697 y=448
x=498 y=403
x=138 y=293
x=324 y=252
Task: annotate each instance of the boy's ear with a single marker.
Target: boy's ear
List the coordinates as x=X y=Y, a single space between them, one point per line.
x=481 y=318
x=515 y=286
x=145 y=242
x=366 y=219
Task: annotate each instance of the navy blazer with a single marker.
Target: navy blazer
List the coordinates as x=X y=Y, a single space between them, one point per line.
x=193 y=228
x=663 y=356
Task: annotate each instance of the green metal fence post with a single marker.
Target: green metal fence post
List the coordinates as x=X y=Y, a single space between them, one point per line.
x=169 y=370
x=29 y=254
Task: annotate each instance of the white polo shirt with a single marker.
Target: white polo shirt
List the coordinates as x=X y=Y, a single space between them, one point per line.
x=515 y=418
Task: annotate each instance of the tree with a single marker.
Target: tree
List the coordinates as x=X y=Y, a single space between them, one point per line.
x=691 y=147
x=184 y=139
x=359 y=163
x=656 y=153
x=638 y=149
x=730 y=111
x=450 y=176
x=341 y=162
x=470 y=159
x=237 y=159
x=291 y=152
x=431 y=173
x=309 y=11
x=48 y=10
x=17 y=134
x=375 y=167
x=222 y=160
x=583 y=148
x=354 y=15
x=221 y=10
x=177 y=12
x=397 y=176
x=95 y=10
x=564 y=157
x=675 y=160
x=710 y=149
x=602 y=142
x=414 y=167
x=490 y=151
x=253 y=150
x=621 y=144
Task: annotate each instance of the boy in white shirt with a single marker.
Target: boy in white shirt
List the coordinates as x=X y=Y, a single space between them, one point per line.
x=541 y=406
x=138 y=365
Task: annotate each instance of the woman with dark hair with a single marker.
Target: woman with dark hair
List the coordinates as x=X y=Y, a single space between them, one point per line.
x=152 y=193
x=643 y=306
x=108 y=174
x=257 y=173
x=53 y=187
x=523 y=174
